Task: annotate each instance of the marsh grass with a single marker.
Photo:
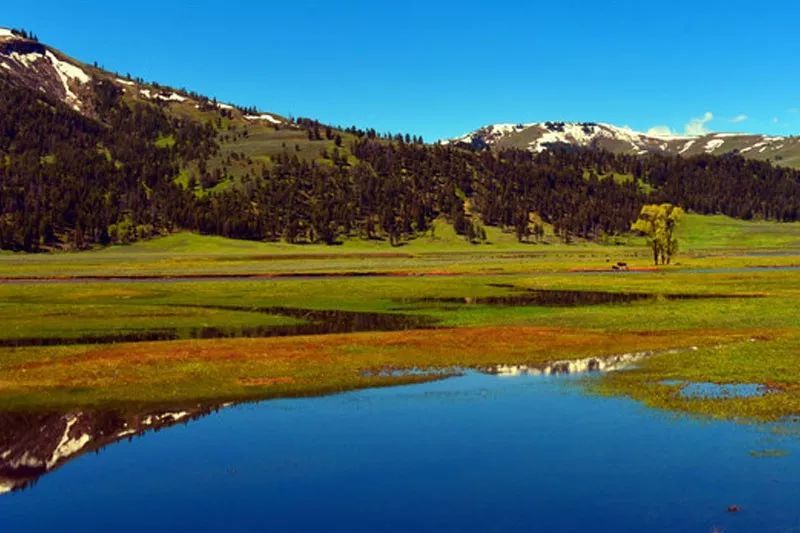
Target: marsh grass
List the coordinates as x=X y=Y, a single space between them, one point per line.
x=236 y=369
x=470 y=336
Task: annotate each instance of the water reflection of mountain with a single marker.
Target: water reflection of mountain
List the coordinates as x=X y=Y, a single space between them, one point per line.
x=33 y=444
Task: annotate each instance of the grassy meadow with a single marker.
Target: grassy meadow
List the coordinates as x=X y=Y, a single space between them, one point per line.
x=724 y=312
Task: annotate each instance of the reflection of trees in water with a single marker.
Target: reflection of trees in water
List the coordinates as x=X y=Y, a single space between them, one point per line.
x=562 y=298
x=325 y=321
x=316 y=322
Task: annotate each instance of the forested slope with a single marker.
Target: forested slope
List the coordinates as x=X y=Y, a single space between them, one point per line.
x=88 y=157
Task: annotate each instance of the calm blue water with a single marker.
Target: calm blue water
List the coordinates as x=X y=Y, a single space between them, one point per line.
x=476 y=453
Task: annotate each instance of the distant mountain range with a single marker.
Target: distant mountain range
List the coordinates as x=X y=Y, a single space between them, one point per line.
x=540 y=136
x=61 y=78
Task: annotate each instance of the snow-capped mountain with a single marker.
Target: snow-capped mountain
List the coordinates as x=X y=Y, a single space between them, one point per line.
x=538 y=137
x=59 y=78
x=44 y=69
x=39 y=67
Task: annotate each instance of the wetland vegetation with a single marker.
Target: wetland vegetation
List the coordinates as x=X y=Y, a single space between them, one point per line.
x=235 y=331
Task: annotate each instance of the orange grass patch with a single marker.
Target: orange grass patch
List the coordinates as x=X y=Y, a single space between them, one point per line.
x=253 y=382
x=446 y=343
x=229 y=369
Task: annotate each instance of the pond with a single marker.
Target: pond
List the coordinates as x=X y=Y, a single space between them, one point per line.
x=478 y=452
x=325 y=321
x=522 y=297
x=716 y=390
x=309 y=322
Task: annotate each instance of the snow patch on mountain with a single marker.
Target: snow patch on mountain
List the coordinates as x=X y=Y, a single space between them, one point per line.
x=490 y=134
x=26 y=60
x=263 y=116
x=562 y=133
x=753 y=147
x=68 y=69
x=67 y=72
x=713 y=144
x=505 y=129
x=587 y=133
x=765 y=142
x=687 y=146
x=5 y=33
x=171 y=97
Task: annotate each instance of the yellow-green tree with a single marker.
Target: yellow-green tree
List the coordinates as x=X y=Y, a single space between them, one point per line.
x=657 y=222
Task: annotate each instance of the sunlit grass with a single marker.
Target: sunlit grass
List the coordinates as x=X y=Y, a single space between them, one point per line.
x=233 y=369
x=771 y=362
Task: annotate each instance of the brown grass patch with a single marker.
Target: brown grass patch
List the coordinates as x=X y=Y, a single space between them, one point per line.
x=229 y=369
x=265 y=381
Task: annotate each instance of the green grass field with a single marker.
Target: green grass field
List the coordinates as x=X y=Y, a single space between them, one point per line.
x=717 y=231
x=707 y=242
x=751 y=335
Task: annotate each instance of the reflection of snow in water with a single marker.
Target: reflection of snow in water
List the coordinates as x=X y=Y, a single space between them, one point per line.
x=165 y=417
x=68 y=445
x=36 y=443
x=590 y=364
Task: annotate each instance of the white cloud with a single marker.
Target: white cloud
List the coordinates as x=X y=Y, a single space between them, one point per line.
x=694 y=128
x=697 y=126
x=660 y=131
x=739 y=118
x=775 y=120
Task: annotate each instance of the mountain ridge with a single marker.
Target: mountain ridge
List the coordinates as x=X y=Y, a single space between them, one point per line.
x=61 y=77
x=540 y=136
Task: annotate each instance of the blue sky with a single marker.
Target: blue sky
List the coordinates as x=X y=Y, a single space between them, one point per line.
x=443 y=68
